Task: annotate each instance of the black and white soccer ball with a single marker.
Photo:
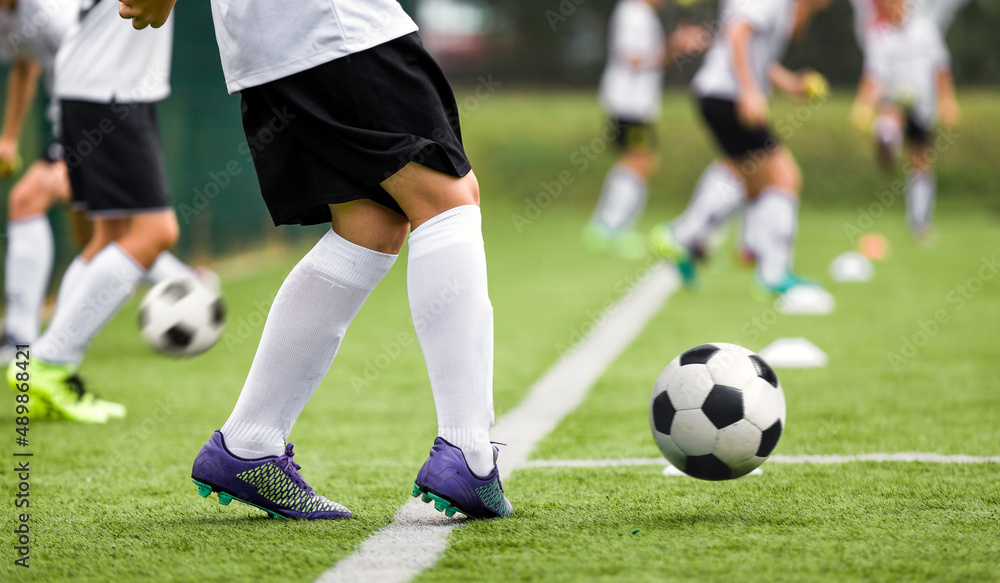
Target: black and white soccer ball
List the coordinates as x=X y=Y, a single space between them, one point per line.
x=717 y=411
x=182 y=316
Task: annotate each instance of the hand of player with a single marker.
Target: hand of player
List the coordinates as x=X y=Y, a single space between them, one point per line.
x=688 y=39
x=145 y=13
x=948 y=110
x=10 y=161
x=752 y=109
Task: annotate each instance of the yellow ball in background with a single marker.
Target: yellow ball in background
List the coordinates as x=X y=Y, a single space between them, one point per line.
x=11 y=167
x=816 y=85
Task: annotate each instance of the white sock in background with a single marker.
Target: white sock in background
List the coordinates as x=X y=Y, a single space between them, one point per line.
x=622 y=201
x=30 y=251
x=453 y=318
x=167 y=265
x=303 y=332
x=717 y=194
x=920 y=194
x=771 y=225
x=102 y=287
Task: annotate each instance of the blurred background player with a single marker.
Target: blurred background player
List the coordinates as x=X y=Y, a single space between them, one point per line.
x=630 y=92
x=756 y=170
x=107 y=78
x=31 y=32
x=373 y=145
x=906 y=86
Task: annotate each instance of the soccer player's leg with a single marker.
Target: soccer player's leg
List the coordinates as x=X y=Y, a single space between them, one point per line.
x=921 y=187
x=772 y=223
x=249 y=459
x=30 y=250
x=718 y=194
x=624 y=193
x=447 y=267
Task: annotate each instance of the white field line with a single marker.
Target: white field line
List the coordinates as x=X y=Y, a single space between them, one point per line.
x=418 y=534
x=933 y=458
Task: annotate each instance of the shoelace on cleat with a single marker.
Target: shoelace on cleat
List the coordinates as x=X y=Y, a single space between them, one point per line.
x=291 y=468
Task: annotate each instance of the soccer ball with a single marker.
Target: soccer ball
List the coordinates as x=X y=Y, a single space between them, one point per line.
x=181 y=316
x=717 y=411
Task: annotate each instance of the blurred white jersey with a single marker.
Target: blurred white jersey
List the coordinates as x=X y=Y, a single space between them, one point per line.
x=772 y=22
x=865 y=17
x=628 y=91
x=34 y=29
x=264 y=40
x=905 y=61
x=104 y=59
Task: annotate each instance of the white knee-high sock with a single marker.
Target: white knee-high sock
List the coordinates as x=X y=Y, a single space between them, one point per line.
x=167 y=265
x=622 y=201
x=70 y=279
x=717 y=194
x=771 y=225
x=304 y=329
x=103 y=286
x=30 y=251
x=920 y=194
x=453 y=318
x=68 y=286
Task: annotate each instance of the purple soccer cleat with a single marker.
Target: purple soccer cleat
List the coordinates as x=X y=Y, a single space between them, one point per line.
x=446 y=479
x=272 y=484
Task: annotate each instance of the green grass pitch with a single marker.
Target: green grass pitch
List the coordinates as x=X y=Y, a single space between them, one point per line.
x=115 y=502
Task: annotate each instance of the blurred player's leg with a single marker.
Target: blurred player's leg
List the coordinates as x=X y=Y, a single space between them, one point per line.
x=307 y=323
x=622 y=200
x=624 y=194
x=30 y=248
x=717 y=195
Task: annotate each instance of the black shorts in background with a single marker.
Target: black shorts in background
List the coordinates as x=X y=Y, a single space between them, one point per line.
x=634 y=135
x=916 y=133
x=735 y=139
x=333 y=133
x=114 y=157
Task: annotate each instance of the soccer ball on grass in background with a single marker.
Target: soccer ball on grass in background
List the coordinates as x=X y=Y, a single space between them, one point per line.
x=182 y=316
x=717 y=411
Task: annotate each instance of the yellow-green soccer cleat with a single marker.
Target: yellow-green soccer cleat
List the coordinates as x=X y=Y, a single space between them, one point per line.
x=664 y=245
x=56 y=392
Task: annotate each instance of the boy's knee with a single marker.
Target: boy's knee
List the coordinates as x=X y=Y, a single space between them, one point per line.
x=25 y=202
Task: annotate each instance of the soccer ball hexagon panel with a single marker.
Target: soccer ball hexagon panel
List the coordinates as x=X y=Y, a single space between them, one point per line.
x=717 y=411
x=181 y=316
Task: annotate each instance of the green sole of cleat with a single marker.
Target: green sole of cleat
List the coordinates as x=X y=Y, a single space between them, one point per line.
x=225 y=498
x=440 y=504
x=203 y=490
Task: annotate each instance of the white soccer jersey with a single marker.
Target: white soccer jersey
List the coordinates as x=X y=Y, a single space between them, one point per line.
x=905 y=61
x=865 y=17
x=34 y=29
x=264 y=40
x=636 y=34
x=772 y=22
x=104 y=59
